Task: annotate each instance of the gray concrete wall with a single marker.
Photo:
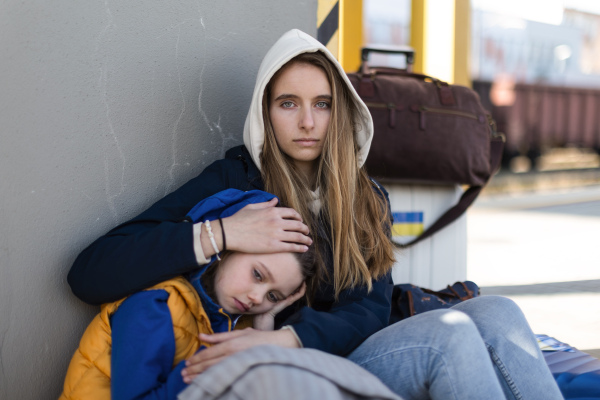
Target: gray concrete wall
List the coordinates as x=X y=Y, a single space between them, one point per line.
x=104 y=108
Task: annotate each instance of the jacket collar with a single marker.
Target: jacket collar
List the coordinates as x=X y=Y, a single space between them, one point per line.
x=220 y=320
x=242 y=154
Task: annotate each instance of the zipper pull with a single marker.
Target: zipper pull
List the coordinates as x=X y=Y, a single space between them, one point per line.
x=492 y=124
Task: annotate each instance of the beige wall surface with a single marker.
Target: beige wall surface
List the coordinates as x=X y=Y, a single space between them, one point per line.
x=105 y=107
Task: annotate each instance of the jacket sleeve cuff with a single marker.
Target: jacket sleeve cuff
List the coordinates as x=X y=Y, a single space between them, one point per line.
x=291 y=329
x=200 y=258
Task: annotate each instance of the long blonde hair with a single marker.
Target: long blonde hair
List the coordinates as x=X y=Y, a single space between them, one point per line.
x=355 y=214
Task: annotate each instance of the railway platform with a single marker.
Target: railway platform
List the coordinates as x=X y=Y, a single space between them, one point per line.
x=534 y=238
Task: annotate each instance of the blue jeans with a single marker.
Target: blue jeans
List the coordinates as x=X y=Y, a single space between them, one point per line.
x=479 y=349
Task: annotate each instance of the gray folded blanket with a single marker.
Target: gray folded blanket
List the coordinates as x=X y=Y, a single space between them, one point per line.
x=271 y=372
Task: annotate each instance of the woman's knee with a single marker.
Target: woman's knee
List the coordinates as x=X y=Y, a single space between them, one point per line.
x=431 y=335
x=496 y=316
x=456 y=325
x=437 y=328
x=495 y=303
x=497 y=308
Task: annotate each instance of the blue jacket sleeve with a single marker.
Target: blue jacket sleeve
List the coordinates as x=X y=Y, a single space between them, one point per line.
x=357 y=315
x=143 y=349
x=153 y=247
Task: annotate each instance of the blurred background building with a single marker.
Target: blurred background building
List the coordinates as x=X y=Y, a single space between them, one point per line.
x=536 y=66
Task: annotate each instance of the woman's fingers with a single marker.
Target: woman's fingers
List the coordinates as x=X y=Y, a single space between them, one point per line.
x=283 y=212
x=190 y=373
x=263 y=228
x=295 y=226
x=220 y=348
x=288 y=213
x=267 y=204
x=291 y=248
x=226 y=344
x=295 y=237
x=223 y=345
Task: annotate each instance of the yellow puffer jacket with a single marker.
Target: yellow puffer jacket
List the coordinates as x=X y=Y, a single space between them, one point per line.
x=88 y=376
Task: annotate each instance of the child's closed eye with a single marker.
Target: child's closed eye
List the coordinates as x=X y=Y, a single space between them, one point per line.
x=257 y=275
x=272 y=297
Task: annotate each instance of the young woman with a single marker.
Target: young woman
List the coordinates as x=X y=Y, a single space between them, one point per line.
x=146 y=337
x=306 y=138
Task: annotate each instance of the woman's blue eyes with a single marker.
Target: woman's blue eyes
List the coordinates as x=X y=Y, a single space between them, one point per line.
x=320 y=104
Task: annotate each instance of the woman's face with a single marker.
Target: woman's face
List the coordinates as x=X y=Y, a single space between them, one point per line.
x=254 y=283
x=300 y=109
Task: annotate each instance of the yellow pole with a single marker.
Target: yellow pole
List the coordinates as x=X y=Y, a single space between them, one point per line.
x=351 y=34
x=462 y=43
x=440 y=35
x=418 y=33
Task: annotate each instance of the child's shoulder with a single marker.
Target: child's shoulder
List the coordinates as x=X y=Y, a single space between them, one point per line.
x=160 y=293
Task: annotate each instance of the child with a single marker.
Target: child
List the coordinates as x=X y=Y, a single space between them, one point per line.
x=136 y=347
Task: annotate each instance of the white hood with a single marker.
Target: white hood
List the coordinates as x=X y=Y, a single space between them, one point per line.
x=290 y=45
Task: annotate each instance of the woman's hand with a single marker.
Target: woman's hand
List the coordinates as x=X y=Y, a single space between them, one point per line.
x=266 y=321
x=228 y=343
x=264 y=228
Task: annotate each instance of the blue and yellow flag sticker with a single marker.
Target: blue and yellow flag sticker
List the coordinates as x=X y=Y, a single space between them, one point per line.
x=407 y=223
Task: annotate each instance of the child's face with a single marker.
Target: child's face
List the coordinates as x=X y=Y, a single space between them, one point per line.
x=255 y=283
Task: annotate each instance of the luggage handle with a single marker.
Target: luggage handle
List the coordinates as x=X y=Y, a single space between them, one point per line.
x=366 y=85
x=407 y=51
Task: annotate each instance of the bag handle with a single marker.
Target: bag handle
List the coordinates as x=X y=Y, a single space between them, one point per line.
x=467 y=198
x=368 y=73
x=407 y=51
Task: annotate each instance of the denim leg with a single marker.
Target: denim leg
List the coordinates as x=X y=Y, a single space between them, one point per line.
x=438 y=355
x=518 y=361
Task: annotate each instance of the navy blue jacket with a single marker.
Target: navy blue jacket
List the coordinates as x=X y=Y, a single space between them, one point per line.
x=158 y=245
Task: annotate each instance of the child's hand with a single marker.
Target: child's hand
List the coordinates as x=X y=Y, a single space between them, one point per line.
x=266 y=321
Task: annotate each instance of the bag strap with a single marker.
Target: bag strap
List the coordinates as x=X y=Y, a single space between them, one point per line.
x=467 y=198
x=411 y=304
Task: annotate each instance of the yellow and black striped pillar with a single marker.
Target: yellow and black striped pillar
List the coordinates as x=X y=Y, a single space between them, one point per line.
x=339 y=28
x=328 y=25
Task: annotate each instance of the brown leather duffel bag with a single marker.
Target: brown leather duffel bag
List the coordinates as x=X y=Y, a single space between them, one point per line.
x=427 y=131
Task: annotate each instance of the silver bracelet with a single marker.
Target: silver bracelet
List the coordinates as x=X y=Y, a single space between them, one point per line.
x=211 y=236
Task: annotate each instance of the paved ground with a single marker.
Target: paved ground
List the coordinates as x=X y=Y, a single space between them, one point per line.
x=542 y=249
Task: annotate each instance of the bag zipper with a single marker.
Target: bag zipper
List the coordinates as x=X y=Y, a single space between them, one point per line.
x=392 y=108
x=422 y=110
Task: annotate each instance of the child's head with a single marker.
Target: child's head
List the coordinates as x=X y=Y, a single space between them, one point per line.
x=245 y=283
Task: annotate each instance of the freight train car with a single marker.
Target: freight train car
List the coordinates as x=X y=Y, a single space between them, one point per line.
x=538 y=117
